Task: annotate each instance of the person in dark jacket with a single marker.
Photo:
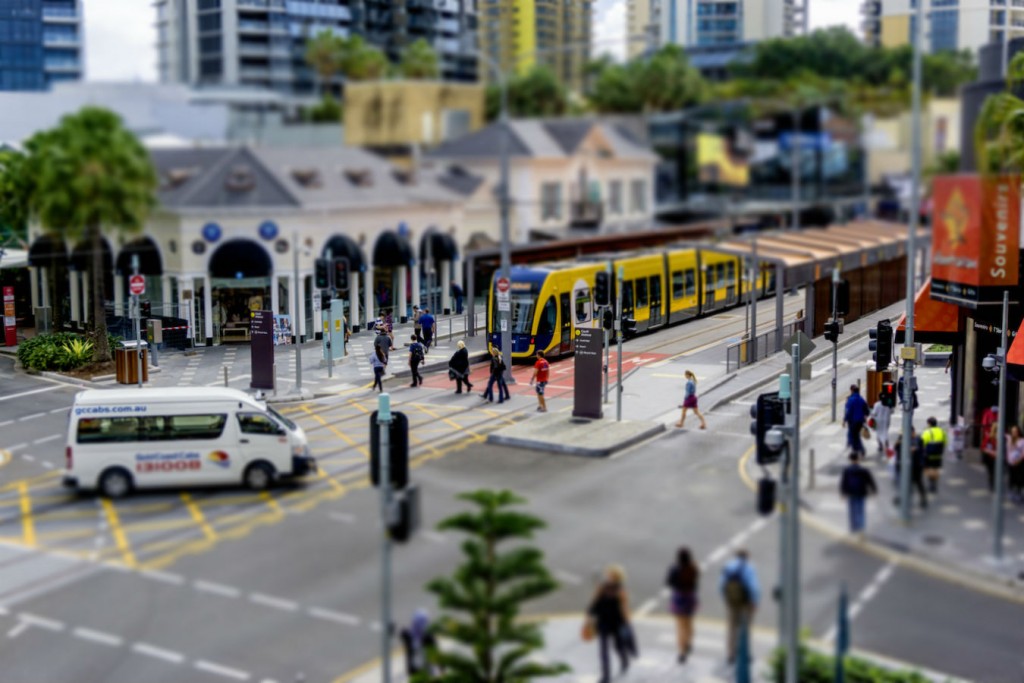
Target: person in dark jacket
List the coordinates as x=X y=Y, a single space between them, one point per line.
x=497 y=376
x=855 y=415
x=916 y=466
x=683 y=579
x=610 y=611
x=416 y=356
x=458 y=368
x=856 y=484
x=419 y=644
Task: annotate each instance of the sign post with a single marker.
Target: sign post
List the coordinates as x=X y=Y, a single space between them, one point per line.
x=261 y=349
x=503 y=286
x=589 y=352
x=137 y=287
x=10 y=329
x=618 y=336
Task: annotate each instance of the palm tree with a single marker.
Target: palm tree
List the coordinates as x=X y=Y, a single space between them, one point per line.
x=361 y=61
x=999 y=133
x=88 y=175
x=420 y=61
x=324 y=54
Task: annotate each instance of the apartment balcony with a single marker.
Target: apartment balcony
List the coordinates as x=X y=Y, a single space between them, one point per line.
x=254 y=27
x=255 y=72
x=62 y=66
x=274 y=5
x=59 y=14
x=261 y=50
x=60 y=40
x=585 y=214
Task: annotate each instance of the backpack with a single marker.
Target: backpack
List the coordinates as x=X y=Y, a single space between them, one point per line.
x=417 y=353
x=735 y=590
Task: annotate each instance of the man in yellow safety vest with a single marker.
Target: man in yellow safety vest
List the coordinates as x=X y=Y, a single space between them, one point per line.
x=934 y=439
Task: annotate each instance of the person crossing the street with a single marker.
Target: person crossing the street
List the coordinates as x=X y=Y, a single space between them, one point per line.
x=917 y=462
x=427 y=328
x=742 y=592
x=690 y=400
x=856 y=484
x=934 y=440
x=497 y=377
x=853 y=419
x=416 y=356
x=881 y=414
x=417 y=313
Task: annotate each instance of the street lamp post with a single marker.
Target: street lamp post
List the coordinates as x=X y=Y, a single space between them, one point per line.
x=295 y=316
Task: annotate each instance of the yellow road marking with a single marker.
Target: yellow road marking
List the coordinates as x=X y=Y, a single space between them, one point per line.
x=271 y=503
x=120 y=538
x=28 y=529
x=332 y=482
x=5 y=457
x=159 y=525
x=422 y=408
x=30 y=481
x=197 y=515
x=245 y=499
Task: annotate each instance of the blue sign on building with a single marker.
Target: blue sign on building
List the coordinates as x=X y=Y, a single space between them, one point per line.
x=268 y=230
x=211 y=232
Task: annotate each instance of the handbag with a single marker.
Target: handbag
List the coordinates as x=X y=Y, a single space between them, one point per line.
x=589 y=630
x=871 y=422
x=628 y=638
x=865 y=433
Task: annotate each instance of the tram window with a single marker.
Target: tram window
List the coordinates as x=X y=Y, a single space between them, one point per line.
x=720 y=270
x=731 y=272
x=641 y=292
x=678 y=284
x=709 y=278
x=691 y=283
x=548 y=318
x=627 y=296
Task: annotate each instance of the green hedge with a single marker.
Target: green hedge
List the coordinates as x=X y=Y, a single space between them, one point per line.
x=60 y=351
x=816 y=667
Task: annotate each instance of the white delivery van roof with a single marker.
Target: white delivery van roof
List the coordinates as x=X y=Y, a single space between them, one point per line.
x=94 y=397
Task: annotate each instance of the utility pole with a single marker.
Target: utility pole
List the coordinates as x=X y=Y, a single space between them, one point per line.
x=915 y=215
x=506 y=237
x=384 y=425
x=997 y=505
x=618 y=336
x=835 y=342
x=138 y=321
x=607 y=350
x=792 y=595
x=756 y=270
x=330 y=316
x=785 y=475
x=295 y=313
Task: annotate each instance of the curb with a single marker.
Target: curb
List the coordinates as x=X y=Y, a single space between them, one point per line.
x=568 y=449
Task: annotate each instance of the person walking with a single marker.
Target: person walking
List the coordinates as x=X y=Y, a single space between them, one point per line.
x=854 y=415
x=690 y=400
x=934 y=440
x=496 y=377
x=741 y=592
x=458 y=295
x=419 y=644
x=989 y=435
x=382 y=342
x=881 y=414
x=916 y=466
x=541 y=372
x=856 y=484
x=417 y=328
x=683 y=580
x=378 y=361
x=428 y=327
x=458 y=368
x=1015 y=463
x=609 y=610
x=416 y=356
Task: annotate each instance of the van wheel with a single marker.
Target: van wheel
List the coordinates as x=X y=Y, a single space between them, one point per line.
x=115 y=483
x=258 y=476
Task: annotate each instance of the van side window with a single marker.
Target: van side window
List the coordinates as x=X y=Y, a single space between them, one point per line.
x=197 y=426
x=108 y=429
x=150 y=428
x=257 y=423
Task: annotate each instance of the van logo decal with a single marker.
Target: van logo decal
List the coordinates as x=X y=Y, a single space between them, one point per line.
x=220 y=458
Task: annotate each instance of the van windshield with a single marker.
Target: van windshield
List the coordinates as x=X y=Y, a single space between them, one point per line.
x=288 y=423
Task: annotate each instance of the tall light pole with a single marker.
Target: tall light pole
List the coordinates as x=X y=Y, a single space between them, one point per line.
x=295 y=317
x=1000 y=492
x=915 y=215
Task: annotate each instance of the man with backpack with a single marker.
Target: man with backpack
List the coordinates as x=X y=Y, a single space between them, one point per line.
x=741 y=592
x=416 y=356
x=856 y=484
x=934 y=440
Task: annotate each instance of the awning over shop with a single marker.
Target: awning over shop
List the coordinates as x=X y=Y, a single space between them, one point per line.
x=13 y=258
x=935 y=322
x=149 y=257
x=46 y=251
x=392 y=250
x=344 y=246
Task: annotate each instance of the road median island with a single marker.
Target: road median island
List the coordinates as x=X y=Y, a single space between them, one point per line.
x=561 y=433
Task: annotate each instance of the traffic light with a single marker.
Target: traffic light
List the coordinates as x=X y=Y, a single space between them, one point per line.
x=602 y=289
x=766 y=489
x=322 y=273
x=888 y=395
x=341 y=274
x=842 y=294
x=881 y=344
x=768 y=412
x=405 y=515
x=398 y=463
x=607 y=319
x=628 y=326
x=832 y=330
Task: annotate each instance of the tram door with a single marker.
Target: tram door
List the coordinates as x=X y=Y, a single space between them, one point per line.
x=565 y=305
x=656 y=315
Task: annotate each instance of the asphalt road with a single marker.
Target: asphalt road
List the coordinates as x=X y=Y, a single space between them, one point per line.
x=224 y=584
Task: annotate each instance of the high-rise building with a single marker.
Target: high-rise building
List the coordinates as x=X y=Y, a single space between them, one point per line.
x=519 y=34
x=638 y=24
x=950 y=24
x=261 y=43
x=40 y=43
x=703 y=23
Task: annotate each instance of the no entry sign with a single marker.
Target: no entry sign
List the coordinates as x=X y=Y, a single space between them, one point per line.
x=503 y=285
x=137 y=285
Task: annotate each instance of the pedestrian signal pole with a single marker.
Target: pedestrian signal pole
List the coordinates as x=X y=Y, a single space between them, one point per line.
x=138 y=321
x=618 y=336
x=997 y=510
x=607 y=350
x=835 y=342
x=384 y=425
x=793 y=592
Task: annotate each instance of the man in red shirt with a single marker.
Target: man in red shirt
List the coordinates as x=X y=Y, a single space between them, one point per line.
x=540 y=380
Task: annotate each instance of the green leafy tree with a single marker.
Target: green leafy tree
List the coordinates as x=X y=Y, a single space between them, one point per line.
x=327 y=110
x=14 y=197
x=663 y=82
x=538 y=92
x=324 y=53
x=487 y=590
x=420 y=61
x=89 y=175
x=999 y=133
x=361 y=61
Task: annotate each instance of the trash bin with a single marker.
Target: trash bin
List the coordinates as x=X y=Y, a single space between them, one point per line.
x=126 y=363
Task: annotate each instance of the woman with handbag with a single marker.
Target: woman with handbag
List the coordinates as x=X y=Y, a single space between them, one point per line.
x=458 y=368
x=609 y=610
x=684 y=580
x=881 y=417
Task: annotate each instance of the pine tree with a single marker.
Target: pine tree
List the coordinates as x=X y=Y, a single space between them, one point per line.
x=485 y=594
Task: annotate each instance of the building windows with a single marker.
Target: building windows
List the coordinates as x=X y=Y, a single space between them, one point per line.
x=638 y=196
x=615 y=197
x=551 y=201
x=209 y=23
x=944 y=30
x=210 y=45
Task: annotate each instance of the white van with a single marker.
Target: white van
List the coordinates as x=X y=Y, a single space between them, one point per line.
x=122 y=439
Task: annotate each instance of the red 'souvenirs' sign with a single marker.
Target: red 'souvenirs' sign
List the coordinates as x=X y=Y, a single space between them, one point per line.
x=975 y=238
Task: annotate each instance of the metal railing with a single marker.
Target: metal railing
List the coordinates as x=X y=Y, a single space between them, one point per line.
x=737 y=353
